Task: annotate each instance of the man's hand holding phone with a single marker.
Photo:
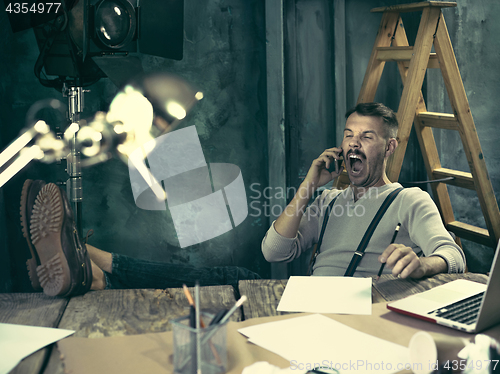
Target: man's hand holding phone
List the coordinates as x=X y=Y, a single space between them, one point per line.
x=324 y=169
x=287 y=224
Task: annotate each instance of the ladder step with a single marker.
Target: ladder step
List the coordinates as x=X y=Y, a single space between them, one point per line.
x=405 y=54
x=461 y=178
x=413 y=7
x=438 y=120
x=470 y=232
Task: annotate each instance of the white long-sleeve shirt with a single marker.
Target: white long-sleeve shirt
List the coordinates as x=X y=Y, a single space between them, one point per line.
x=421 y=229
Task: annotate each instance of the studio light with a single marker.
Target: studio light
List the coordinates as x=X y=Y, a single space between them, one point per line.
x=115 y=24
x=86 y=40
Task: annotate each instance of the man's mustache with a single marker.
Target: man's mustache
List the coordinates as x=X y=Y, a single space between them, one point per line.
x=356 y=152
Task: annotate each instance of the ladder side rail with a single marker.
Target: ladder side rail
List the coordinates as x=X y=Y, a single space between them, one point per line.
x=412 y=88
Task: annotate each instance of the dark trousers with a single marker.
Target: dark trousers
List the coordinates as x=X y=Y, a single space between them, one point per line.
x=129 y=272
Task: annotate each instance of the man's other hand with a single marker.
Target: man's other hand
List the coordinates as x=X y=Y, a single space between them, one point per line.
x=405 y=263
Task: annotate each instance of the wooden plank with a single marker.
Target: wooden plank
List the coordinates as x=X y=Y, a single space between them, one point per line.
x=375 y=67
x=432 y=64
x=392 y=288
x=467 y=130
x=469 y=232
x=404 y=54
x=402 y=8
x=462 y=179
x=275 y=71
x=395 y=53
x=412 y=87
x=264 y=294
x=263 y=297
x=33 y=309
x=339 y=52
x=438 y=120
x=128 y=312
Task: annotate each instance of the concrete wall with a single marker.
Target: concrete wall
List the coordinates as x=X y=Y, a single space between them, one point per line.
x=224 y=57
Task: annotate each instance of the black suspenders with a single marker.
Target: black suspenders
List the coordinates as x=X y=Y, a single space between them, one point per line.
x=360 y=251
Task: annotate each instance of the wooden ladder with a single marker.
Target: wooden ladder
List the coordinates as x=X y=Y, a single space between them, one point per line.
x=391 y=44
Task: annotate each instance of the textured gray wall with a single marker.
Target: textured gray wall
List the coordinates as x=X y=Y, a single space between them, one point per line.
x=224 y=57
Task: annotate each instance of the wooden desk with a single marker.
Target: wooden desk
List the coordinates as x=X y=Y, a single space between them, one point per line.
x=103 y=313
x=264 y=295
x=129 y=312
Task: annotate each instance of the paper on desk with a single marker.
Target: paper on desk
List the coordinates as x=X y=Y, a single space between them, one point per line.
x=316 y=339
x=19 y=341
x=343 y=295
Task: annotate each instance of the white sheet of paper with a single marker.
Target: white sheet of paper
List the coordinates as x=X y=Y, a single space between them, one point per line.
x=316 y=340
x=342 y=295
x=19 y=341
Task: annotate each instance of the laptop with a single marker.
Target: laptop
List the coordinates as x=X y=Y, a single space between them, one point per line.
x=461 y=304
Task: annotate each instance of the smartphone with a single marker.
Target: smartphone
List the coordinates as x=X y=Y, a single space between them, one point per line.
x=337 y=164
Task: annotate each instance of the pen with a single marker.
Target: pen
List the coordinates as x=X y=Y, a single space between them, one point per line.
x=225 y=318
x=392 y=242
x=220 y=314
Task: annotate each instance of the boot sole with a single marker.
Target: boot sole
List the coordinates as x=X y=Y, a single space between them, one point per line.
x=31 y=263
x=46 y=222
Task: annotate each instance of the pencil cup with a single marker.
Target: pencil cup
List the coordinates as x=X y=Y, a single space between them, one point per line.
x=430 y=351
x=205 y=348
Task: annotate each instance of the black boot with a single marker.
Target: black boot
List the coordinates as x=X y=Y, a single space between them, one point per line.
x=64 y=267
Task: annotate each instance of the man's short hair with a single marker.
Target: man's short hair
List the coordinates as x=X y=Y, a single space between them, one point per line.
x=387 y=115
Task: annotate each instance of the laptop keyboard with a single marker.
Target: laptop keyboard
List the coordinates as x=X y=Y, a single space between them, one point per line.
x=464 y=311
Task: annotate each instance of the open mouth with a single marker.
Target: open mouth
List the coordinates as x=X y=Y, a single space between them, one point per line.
x=356 y=163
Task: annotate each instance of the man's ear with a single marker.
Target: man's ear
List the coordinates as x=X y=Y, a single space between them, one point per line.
x=391 y=146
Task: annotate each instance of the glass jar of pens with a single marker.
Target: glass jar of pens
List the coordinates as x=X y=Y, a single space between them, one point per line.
x=200 y=339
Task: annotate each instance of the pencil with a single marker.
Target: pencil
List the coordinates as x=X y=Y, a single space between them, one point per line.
x=392 y=242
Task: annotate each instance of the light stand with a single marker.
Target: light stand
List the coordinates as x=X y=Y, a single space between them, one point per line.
x=74 y=187
x=144 y=109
